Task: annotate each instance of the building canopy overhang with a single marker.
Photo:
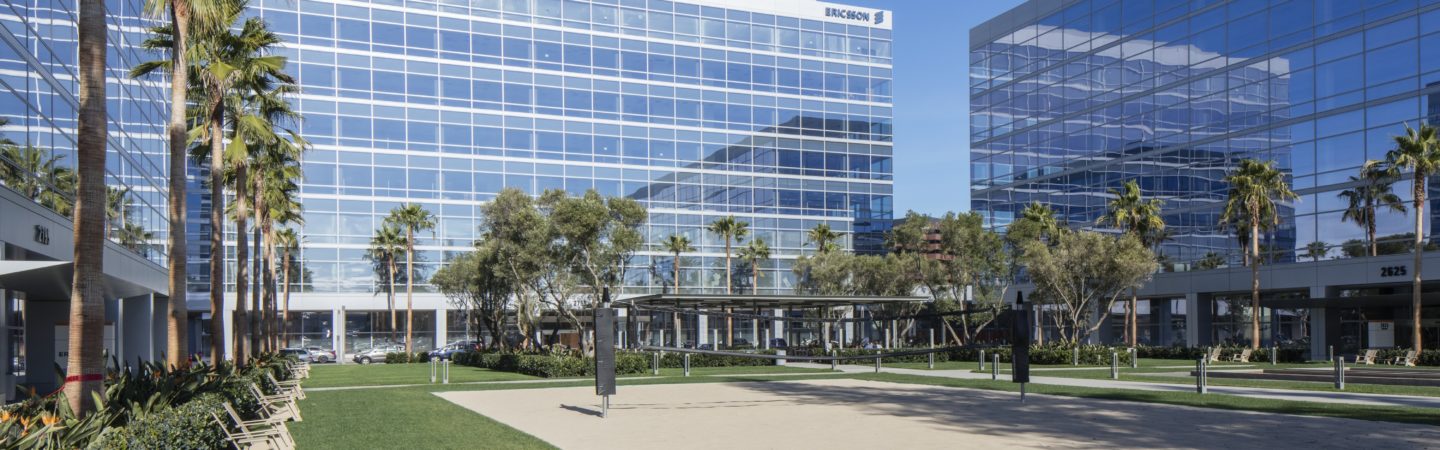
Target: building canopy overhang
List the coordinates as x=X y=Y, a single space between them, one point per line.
x=763 y=301
x=52 y=281
x=1358 y=301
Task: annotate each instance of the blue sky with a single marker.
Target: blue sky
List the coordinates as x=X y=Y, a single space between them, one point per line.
x=932 y=127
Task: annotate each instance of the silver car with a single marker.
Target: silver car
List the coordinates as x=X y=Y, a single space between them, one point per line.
x=298 y=353
x=376 y=355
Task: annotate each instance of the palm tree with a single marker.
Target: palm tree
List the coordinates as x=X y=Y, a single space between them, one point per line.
x=677 y=244
x=1139 y=217
x=287 y=242
x=385 y=247
x=1418 y=151
x=117 y=208
x=754 y=253
x=1317 y=250
x=86 y=365
x=411 y=218
x=1255 y=188
x=824 y=238
x=732 y=231
x=1373 y=190
x=207 y=17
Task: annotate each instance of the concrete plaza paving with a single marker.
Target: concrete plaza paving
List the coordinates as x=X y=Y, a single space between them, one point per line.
x=848 y=413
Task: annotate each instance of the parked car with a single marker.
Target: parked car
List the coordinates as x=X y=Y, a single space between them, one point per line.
x=376 y=355
x=297 y=353
x=778 y=343
x=447 y=351
x=321 y=355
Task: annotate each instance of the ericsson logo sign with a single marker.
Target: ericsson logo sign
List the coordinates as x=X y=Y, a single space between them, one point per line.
x=859 y=16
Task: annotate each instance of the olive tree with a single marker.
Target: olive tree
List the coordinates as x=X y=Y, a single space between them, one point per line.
x=1085 y=273
x=476 y=282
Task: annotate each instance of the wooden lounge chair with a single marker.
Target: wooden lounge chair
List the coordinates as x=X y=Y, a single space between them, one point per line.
x=1214 y=355
x=278 y=405
x=1408 y=360
x=291 y=387
x=244 y=441
x=1368 y=357
x=267 y=424
x=1243 y=356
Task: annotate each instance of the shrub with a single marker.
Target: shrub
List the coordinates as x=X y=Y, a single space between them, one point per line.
x=185 y=426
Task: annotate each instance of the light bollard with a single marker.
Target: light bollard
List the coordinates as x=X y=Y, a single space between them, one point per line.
x=1340 y=373
x=1134 y=358
x=1075 y=355
x=982 y=359
x=877 y=362
x=1332 y=353
x=1114 y=365
x=1200 y=364
x=687 y=364
x=832 y=360
x=655 y=364
x=1274 y=354
x=447 y=372
x=995 y=367
x=432 y=370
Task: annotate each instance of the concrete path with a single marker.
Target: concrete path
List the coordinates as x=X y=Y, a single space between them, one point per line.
x=1276 y=394
x=859 y=414
x=572 y=380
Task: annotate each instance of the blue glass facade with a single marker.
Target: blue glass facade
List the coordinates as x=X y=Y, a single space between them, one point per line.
x=39 y=104
x=1073 y=98
x=769 y=111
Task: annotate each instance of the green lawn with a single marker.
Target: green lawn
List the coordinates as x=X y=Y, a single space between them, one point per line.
x=1425 y=416
x=333 y=375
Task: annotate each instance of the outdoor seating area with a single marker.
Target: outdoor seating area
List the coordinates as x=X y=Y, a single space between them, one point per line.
x=268 y=431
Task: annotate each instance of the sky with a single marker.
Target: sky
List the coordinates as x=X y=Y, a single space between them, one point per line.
x=932 y=100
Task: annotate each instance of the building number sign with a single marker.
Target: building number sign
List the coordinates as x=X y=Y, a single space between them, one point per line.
x=1392 y=271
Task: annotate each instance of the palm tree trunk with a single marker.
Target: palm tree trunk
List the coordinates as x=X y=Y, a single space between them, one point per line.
x=272 y=341
x=1415 y=335
x=390 y=298
x=217 y=236
x=285 y=313
x=259 y=312
x=242 y=269
x=729 y=321
x=1132 y=328
x=86 y=361
x=409 y=290
x=1255 y=280
x=1370 y=228
x=175 y=311
x=676 y=316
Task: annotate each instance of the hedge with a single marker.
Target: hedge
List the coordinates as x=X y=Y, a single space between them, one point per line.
x=560 y=365
x=406 y=358
x=186 y=426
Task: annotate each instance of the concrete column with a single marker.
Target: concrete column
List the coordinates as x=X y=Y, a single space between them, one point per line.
x=226 y=316
x=41 y=321
x=135 y=327
x=157 y=325
x=337 y=334
x=1192 y=321
x=1319 y=335
x=7 y=381
x=702 y=329
x=777 y=327
x=847 y=331
x=442 y=327
x=755 y=333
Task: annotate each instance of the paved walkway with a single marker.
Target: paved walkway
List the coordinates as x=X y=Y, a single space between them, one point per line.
x=567 y=380
x=1276 y=394
x=860 y=414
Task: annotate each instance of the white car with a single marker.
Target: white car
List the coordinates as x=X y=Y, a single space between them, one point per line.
x=298 y=353
x=376 y=355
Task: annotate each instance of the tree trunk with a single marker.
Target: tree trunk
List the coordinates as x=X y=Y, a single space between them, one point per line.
x=390 y=299
x=729 y=321
x=1370 y=228
x=1415 y=335
x=676 y=316
x=86 y=361
x=242 y=269
x=1131 y=318
x=256 y=273
x=285 y=315
x=1255 y=280
x=272 y=340
x=409 y=289
x=217 y=235
x=175 y=311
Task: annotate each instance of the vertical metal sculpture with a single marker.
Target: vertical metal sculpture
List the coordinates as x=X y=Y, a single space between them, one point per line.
x=1020 y=344
x=605 y=352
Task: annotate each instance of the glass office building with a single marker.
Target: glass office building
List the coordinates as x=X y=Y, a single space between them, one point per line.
x=1072 y=98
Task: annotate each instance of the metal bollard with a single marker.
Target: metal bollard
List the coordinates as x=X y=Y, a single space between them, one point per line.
x=1340 y=373
x=1075 y=355
x=877 y=363
x=832 y=360
x=995 y=367
x=982 y=359
x=655 y=364
x=432 y=370
x=1332 y=353
x=1200 y=367
x=687 y=364
x=931 y=355
x=447 y=371
x=1134 y=358
x=1114 y=365
x=1274 y=355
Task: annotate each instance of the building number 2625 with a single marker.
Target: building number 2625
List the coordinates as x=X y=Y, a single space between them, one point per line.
x=1392 y=271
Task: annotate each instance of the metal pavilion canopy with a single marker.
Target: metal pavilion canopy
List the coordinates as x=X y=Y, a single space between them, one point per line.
x=763 y=301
